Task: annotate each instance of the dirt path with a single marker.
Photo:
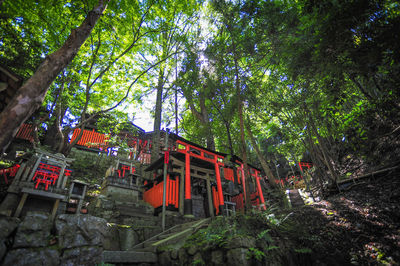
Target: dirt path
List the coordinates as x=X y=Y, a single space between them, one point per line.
x=359 y=227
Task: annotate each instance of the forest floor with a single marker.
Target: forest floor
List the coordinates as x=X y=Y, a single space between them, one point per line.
x=360 y=226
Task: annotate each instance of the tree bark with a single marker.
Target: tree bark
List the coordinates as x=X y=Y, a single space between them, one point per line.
x=155 y=150
x=201 y=115
x=264 y=164
x=31 y=95
x=242 y=138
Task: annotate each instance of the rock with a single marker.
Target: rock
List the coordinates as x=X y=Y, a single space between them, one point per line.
x=7 y=225
x=237 y=257
x=128 y=257
x=34 y=230
x=105 y=203
x=182 y=255
x=106 y=214
x=82 y=256
x=82 y=230
x=128 y=238
x=241 y=242
x=3 y=250
x=164 y=258
x=149 y=232
x=198 y=259
x=29 y=257
x=217 y=257
x=112 y=241
x=174 y=254
x=192 y=250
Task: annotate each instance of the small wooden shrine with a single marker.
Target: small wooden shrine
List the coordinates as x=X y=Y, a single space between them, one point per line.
x=76 y=195
x=44 y=177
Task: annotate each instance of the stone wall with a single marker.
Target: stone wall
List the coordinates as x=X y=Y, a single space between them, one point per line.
x=69 y=240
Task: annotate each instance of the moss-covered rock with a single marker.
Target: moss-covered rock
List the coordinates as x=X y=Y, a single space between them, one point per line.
x=34 y=230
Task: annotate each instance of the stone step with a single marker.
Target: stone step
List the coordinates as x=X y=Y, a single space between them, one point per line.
x=134 y=209
x=171 y=236
x=128 y=257
x=295 y=198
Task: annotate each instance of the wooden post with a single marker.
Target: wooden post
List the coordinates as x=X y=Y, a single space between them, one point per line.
x=64 y=181
x=78 y=209
x=60 y=180
x=209 y=197
x=165 y=180
x=21 y=204
x=19 y=173
x=55 y=208
x=35 y=167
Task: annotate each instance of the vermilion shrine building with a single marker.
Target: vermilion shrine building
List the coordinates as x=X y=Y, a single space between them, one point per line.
x=200 y=182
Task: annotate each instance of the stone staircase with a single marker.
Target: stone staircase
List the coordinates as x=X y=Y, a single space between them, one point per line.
x=295 y=198
x=145 y=252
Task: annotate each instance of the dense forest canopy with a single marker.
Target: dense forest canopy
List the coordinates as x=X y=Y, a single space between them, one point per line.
x=275 y=82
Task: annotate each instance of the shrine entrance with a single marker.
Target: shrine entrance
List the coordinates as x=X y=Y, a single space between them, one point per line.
x=200 y=204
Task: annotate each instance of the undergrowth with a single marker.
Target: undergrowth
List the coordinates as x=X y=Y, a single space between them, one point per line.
x=274 y=235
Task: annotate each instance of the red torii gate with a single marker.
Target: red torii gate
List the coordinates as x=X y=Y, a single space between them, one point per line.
x=256 y=177
x=196 y=152
x=303 y=164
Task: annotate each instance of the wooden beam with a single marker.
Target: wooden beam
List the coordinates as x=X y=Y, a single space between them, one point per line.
x=35 y=167
x=21 y=204
x=43 y=193
x=55 y=208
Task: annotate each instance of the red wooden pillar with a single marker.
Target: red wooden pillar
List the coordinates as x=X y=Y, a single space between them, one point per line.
x=219 y=186
x=301 y=168
x=260 y=193
x=167 y=192
x=187 y=206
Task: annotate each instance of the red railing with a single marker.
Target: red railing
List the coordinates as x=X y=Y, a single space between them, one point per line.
x=91 y=139
x=154 y=195
x=25 y=132
x=9 y=172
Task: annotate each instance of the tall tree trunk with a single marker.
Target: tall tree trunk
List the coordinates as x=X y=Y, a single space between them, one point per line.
x=324 y=150
x=206 y=121
x=242 y=138
x=155 y=150
x=264 y=164
x=228 y=133
x=31 y=95
x=201 y=115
